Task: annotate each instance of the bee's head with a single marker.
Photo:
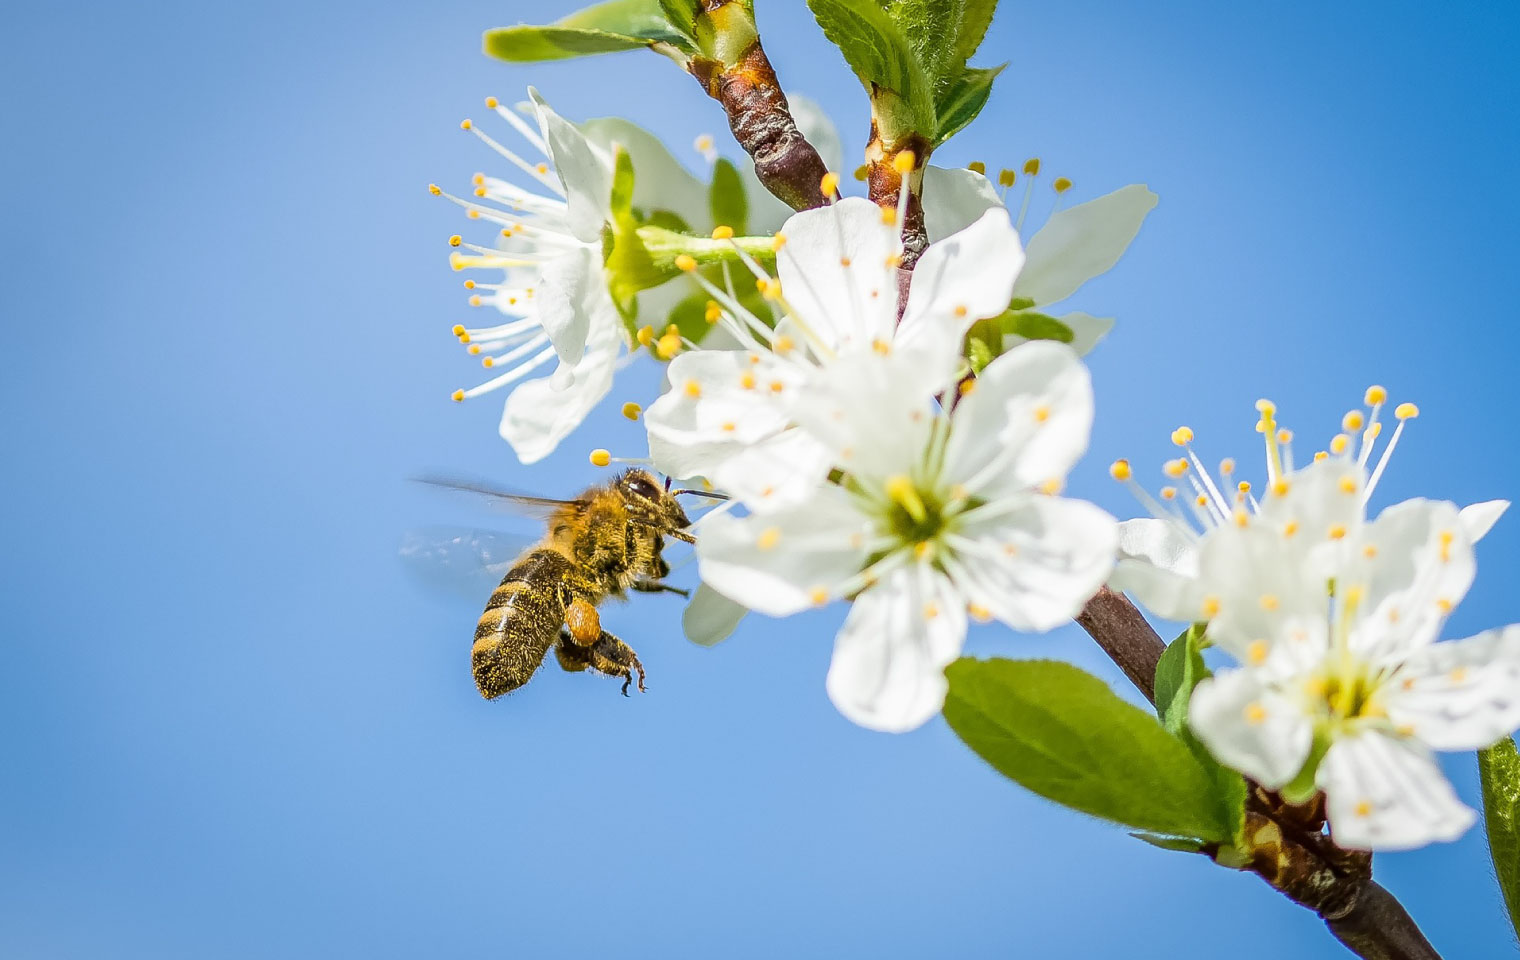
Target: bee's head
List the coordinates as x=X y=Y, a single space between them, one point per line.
x=647 y=496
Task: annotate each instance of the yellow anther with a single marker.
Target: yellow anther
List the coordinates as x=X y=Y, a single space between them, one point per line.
x=455 y=240
x=1266 y=408
x=474 y=349
x=632 y=410
x=465 y=124
x=475 y=300
x=1406 y=411
x=1202 y=500
x=819 y=596
x=488 y=362
x=686 y=261
x=1182 y=436
x=1339 y=443
x=1227 y=466
x=862 y=173
x=491 y=103
x=978 y=612
x=480 y=191
x=1006 y=177
x=433 y=189
x=1041 y=413
x=784 y=344
x=459 y=330
x=723 y=233
x=1061 y=185
x=469 y=284
x=967 y=386
x=668 y=346
x=1337 y=532
x=1169 y=493
x=672 y=329
x=829 y=184
x=844 y=262
x=1257 y=652
x=457 y=396
x=693 y=388
x=1404 y=729
x=464 y=338
x=889 y=215
x=1269 y=601
x=600 y=457
x=1369 y=551
x=1285 y=436
x=777 y=386
x=1290 y=528
x=1242 y=518
x=922 y=549
x=747 y=380
x=768 y=538
x=713 y=313
x=1374 y=431
x=894 y=260
x=1458 y=675
x=704 y=143
x=1120 y=470
x=1363 y=808
x=1348 y=484
x=1032 y=166
x=977 y=166
x=960 y=310
x=1321 y=455
x=1353 y=421
x=1210 y=606
x=1446 y=539
x=1375 y=395
x=778 y=241
x=1052 y=486
x=478 y=180
x=542 y=168
x=930 y=611
x=1010 y=549
x=645 y=336
x=904 y=162
x=1316 y=687
x=881 y=346
x=1175 y=468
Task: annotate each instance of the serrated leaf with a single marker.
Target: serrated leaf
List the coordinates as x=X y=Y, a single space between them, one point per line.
x=1032 y=325
x=726 y=197
x=962 y=99
x=879 y=54
x=976 y=17
x=1499 y=769
x=603 y=28
x=1063 y=734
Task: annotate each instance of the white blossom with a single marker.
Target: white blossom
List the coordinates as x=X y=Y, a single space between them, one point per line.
x=1334 y=619
x=937 y=516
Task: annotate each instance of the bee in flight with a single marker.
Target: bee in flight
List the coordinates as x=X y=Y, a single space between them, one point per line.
x=601 y=544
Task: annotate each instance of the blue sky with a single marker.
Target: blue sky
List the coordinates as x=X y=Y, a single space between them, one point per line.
x=237 y=730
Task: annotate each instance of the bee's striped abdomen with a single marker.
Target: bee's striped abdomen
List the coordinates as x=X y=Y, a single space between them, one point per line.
x=520 y=623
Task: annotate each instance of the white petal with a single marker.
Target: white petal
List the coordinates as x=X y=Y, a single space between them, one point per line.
x=874 y=412
x=962 y=279
x=954 y=199
x=583 y=168
x=1037 y=401
x=660 y=182
x=775 y=473
x=1081 y=242
x=1422 y=566
x=1460 y=694
x=1158 y=565
x=775 y=563
x=1036 y=566
x=1261 y=597
x=835 y=273
x=1323 y=505
x=710 y=617
x=538 y=414
x=1387 y=794
x=889 y=658
x=571 y=295
x=1251 y=727
x=1479 y=518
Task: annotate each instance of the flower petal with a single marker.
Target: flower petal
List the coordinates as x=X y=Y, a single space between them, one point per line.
x=539 y=414
x=1460 y=694
x=1034 y=567
x=1479 y=518
x=1322 y=507
x=1081 y=242
x=873 y=411
x=660 y=182
x=1158 y=565
x=710 y=617
x=571 y=296
x=778 y=563
x=583 y=168
x=1256 y=594
x=836 y=274
x=1250 y=727
x=889 y=658
x=962 y=279
x=954 y=199
x=1036 y=401
x=1388 y=794
x=1421 y=566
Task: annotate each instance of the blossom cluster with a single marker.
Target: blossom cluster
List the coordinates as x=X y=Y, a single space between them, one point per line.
x=899 y=441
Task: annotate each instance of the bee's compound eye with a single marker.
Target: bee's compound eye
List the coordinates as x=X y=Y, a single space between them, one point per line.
x=643 y=488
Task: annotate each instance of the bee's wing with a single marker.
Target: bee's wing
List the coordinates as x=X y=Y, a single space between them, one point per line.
x=461 y=560
x=516 y=502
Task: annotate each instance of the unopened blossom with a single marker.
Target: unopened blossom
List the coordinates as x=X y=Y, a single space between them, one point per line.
x=935 y=517
x=1334 y=619
x=730 y=414
x=1072 y=245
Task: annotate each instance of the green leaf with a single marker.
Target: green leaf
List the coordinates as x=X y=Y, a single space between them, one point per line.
x=962 y=99
x=1179 y=844
x=930 y=27
x=976 y=17
x=681 y=14
x=979 y=354
x=880 y=57
x=1499 y=769
x=730 y=207
x=603 y=28
x=1180 y=669
x=1066 y=736
x=1032 y=325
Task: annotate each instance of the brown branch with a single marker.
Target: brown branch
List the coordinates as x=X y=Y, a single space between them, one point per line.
x=741 y=78
x=1288 y=847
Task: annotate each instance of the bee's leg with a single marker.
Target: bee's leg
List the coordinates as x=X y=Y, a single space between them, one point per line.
x=615 y=658
x=572 y=657
x=582 y=621
x=658 y=586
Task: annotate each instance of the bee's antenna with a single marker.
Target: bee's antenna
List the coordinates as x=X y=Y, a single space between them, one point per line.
x=667 y=484
x=698 y=493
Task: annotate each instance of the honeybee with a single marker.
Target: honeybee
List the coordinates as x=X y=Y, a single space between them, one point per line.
x=603 y=543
